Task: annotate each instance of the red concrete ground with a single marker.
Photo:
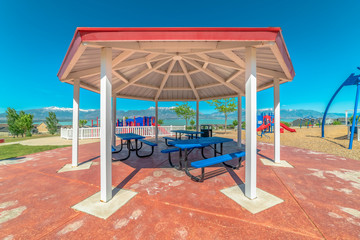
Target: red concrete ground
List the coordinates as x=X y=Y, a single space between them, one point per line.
x=321 y=199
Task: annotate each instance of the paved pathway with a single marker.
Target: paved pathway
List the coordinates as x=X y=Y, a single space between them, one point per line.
x=54 y=141
x=321 y=199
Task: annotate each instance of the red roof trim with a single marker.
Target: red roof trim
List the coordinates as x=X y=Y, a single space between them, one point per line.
x=285 y=54
x=75 y=43
x=175 y=34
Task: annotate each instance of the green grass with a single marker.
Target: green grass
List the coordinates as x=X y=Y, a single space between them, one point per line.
x=18 y=139
x=17 y=150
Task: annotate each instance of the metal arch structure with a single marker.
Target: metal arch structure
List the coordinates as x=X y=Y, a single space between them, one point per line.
x=351 y=80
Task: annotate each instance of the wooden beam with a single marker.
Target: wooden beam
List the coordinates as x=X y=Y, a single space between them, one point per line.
x=215 y=61
x=177 y=74
x=89 y=87
x=73 y=61
x=235 y=75
x=134 y=97
x=165 y=78
x=146 y=86
x=275 y=49
x=119 y=76
x=261 y=71
x=96 y=70
x=235 y=58
x=194 y=71
x=177 y=100
x=132 y=46
x=141 y=75
x=226 y=45
x=190 y=81
x=177 y=89
x=160 y=72
x=208 y=86
x=221 y=97
x=175 y=45
x=139 y=61
x=214 y=76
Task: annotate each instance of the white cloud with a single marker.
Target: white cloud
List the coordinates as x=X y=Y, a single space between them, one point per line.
x=66 y=109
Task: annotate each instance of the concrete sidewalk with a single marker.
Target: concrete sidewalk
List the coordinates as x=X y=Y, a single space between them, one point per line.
x=53 y=141
x=321 y=198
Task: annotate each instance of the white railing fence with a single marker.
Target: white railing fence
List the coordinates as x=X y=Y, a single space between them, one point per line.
x=146 y=131
x=5 y=134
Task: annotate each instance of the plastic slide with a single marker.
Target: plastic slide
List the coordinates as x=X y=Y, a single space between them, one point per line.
x=262 y=127
x=287 y=128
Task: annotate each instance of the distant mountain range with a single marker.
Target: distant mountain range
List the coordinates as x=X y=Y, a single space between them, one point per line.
x=65 y=114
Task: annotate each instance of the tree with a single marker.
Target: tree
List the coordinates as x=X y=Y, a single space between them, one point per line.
x=184 y=111
x=21 y=123
x=52 y=123
x=12 y=117
x=82 y=123
x=192 y=123
x=25 y=123
x=225 y=106
x=235 y=123
x=160 y=121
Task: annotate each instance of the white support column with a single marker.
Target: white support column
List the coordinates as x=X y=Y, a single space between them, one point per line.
x=239 y=121
x=75 y=139
x=156 y=122
x=197 y=116
x=113 y=121
x=105 y=125
x=251 y=107
x=277 y=120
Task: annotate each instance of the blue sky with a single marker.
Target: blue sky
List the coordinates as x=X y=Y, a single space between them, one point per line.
x=322 y=38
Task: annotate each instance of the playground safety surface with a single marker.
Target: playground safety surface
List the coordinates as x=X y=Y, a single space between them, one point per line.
x=321 y=198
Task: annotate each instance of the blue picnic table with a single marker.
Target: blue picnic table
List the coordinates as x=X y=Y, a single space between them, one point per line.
x=190 y=133
x=189 y=145
x=128 y=137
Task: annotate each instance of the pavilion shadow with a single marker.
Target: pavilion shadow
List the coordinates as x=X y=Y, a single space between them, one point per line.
x=341 y=138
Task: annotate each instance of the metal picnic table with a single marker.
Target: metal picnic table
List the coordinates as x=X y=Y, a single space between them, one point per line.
x=191 y=133
x=188 y=145
x=128 y=137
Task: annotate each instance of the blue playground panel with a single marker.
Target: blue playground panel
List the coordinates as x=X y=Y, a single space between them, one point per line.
x=139 y=121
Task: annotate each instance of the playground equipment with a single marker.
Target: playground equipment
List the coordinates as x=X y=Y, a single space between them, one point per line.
x=265 y=124
x=136 y=121
x=350 y=81
x=348 y=122
x=309 y=121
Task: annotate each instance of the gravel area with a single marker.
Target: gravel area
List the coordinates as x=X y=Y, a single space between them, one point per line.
x=335 y=141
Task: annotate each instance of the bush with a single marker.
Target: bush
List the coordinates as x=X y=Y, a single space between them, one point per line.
x=286 y=123
x=336 y=123
x=243 y=125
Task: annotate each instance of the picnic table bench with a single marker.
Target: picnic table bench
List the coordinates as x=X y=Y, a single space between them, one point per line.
x=187 y=146
x=216 y=160
x=187 y=132
x=128 y=137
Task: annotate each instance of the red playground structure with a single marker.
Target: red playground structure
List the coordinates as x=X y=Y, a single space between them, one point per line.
x=266 y=125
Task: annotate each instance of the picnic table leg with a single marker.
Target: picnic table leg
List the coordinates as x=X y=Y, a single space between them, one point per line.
x=188 y=172
x=236 y=166
x=121 y=147
x=128 y=142
x=180 y=160
x=202 y=153
x=137 y=150
x=214 y=150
